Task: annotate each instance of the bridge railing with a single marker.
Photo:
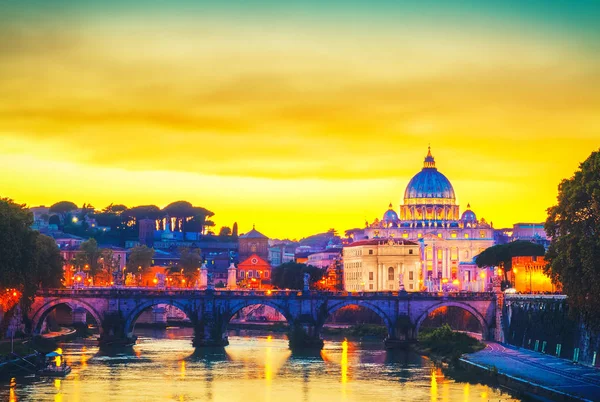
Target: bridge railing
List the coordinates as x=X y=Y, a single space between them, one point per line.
x=149 y=292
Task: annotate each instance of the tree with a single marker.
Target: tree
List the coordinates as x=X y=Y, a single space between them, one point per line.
x=234 y=232
x=574 y=252
x=189 y=261
x=28 y=259
x=290 y=275
x=88 y=257
x=63 y=209
x=49 y=262
x=140 y=257
x=501 y=255
x=225 y=231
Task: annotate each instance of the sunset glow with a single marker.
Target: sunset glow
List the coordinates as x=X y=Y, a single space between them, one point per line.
x=296 y=119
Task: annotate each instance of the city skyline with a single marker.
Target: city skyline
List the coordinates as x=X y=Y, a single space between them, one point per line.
x=296 y=119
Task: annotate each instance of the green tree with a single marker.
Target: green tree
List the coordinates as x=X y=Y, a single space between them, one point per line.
x=574 y=227
x=63 y=209
x=290 y=275
x=28 y=260
x=88 y=258
x=501 y=255
x=140 y=258
x=49 y=262
x=189 y=260
x=225 y=231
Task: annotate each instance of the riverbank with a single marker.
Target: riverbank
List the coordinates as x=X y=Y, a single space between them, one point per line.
x=534 y=375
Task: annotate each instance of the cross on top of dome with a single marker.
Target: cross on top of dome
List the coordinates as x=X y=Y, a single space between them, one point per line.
x=429 y=161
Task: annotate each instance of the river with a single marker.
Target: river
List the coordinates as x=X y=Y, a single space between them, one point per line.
x=255 y=366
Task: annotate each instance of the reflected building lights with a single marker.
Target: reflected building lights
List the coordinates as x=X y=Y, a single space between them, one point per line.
x=182 y=369
x=434 y=385
x=12 y=397
x=344 y=362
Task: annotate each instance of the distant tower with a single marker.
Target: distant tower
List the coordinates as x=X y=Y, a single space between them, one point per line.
x=146 y=231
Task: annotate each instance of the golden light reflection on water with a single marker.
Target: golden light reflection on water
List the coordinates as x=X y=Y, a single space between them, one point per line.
x=259 y=369
x=12 y=396
x=344 y=362
x=182 y=369
x=84 y=358
x=434 y=386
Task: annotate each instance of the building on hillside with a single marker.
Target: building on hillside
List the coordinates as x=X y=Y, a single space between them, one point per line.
x=381 y=265
x=528 y=275
x=251 y=243
x=323 y=259
x=254 y=272
x=430 y=215
x=280 y=254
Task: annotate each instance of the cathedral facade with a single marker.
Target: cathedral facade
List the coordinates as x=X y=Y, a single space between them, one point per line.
x=430 y=216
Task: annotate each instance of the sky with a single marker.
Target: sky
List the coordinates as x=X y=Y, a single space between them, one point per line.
x=296 y=116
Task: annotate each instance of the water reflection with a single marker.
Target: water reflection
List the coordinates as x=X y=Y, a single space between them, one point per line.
x=254 y=367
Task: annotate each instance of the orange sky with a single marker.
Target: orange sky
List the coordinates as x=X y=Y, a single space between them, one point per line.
x=296 y=130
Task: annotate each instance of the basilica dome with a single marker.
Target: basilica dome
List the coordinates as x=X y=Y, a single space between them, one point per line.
x=468 y=215
x=390 y=216
x=429 y=184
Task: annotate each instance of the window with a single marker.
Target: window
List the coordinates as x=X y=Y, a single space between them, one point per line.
x=439 y=254
x=440 y=235
x=370 y=276
x=242 y=274
x=429 y=254
x=391 y=273
x=410 y=251
x=410 y=286
x=370 y=252
x=482 y=234
x=266 y=274
x=454 y=253
x=249 y=274
x=370 y=286
x=410 y=275
x=419 y=235
x=405 y=235
x=466 y=235
x=391 y=286
x=453 y=235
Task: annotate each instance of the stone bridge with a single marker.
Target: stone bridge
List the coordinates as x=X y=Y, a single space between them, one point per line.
x=117 y=309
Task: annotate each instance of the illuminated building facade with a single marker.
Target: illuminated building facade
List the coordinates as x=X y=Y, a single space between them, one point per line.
x=430 y=215
x=528 y=275
x=381 y=265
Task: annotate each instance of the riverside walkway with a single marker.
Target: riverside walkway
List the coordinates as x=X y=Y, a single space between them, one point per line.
x=540 y=372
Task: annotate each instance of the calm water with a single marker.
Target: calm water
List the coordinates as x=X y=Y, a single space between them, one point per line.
x=164 y=367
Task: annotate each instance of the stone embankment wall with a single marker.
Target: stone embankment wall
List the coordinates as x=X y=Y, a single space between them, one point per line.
x=543 y=323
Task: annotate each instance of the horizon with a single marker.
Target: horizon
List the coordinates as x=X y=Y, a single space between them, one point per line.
x=296 y=117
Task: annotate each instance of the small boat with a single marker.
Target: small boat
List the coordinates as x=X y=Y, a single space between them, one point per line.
x=55 y=366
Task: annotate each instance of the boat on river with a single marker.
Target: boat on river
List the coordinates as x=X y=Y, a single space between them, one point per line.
x=55 y=366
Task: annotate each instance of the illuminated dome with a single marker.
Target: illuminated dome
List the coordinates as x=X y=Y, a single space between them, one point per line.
x=468 y=215
x=390 y=217
x=429 y=186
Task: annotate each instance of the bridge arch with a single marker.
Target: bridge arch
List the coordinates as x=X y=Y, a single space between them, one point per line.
x=385 y=318
x=134 y=314
x=464 y=306
x=39 y=316
x=234 y=308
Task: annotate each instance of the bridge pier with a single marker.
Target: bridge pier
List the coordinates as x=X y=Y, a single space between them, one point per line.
x=304 y=335
x=113 y=333
x=401 y=334
x=80 y=321
x=210 y=329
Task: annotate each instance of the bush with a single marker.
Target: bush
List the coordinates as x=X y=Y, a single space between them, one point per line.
x=447 y=344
